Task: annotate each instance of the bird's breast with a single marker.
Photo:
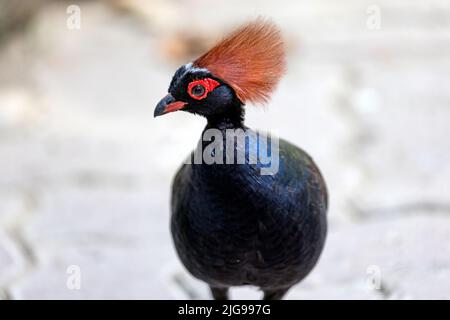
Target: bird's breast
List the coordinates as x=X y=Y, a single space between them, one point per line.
x=229 y=222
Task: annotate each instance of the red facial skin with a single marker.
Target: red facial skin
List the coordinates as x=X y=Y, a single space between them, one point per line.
x=208 y=83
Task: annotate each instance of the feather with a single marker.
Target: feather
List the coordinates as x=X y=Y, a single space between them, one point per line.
x=251 y=60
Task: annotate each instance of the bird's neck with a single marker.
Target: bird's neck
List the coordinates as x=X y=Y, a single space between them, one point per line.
x=233 y=117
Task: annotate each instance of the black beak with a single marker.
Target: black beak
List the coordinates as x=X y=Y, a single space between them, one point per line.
x=168 y=104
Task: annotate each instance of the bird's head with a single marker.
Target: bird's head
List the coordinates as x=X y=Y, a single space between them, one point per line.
x=244 y=67
x=196 y=90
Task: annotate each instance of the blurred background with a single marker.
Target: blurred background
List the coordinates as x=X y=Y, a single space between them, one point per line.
x=85 y=169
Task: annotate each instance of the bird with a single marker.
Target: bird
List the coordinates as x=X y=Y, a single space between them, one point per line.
x=231 y=225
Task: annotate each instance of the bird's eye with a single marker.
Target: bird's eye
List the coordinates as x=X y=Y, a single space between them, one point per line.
x=198 y=90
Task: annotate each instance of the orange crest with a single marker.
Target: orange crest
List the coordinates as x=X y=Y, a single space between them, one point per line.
x=251 y=60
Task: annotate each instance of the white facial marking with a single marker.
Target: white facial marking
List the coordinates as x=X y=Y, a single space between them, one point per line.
x=190 y=68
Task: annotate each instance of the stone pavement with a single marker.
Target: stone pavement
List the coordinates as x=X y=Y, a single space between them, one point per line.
x=86 y=170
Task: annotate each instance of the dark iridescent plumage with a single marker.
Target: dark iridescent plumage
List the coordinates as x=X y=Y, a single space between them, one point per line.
x=231 y=225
